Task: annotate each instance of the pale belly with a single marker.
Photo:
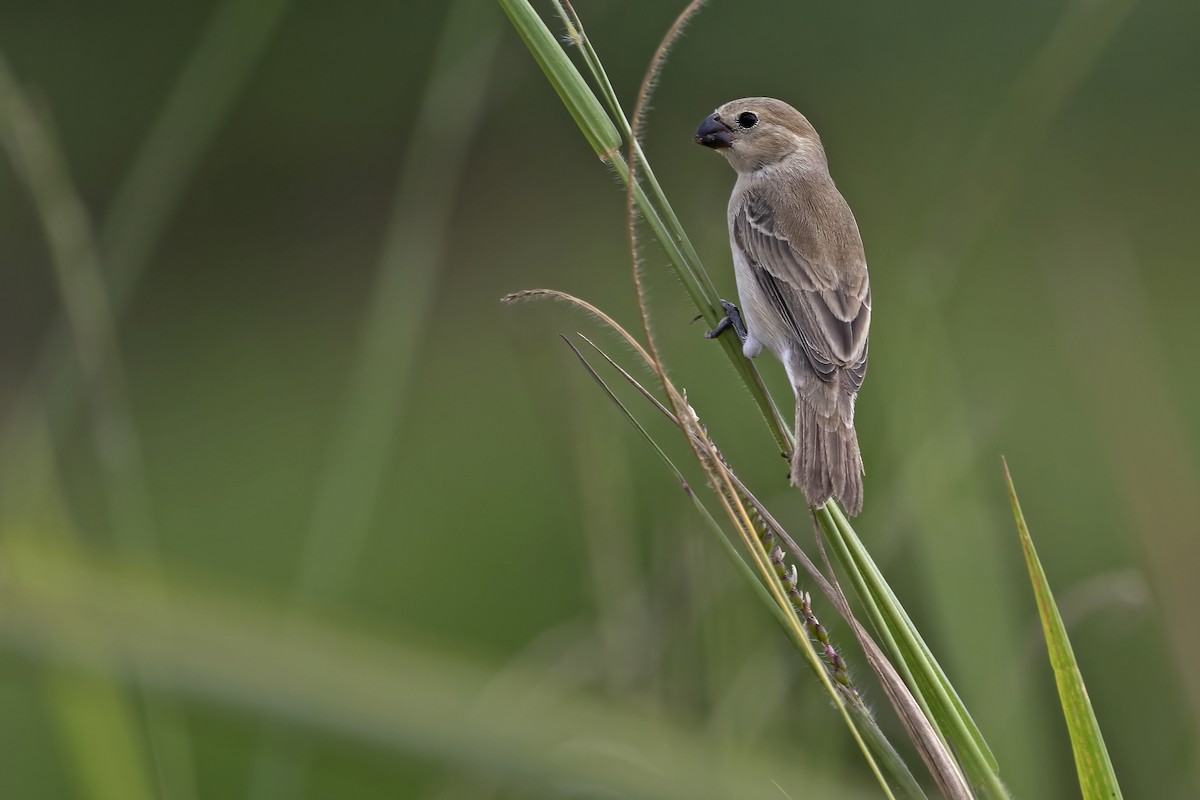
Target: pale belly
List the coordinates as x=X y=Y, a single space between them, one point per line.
x=764 y=327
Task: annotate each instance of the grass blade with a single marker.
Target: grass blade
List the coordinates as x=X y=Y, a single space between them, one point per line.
x=1097 y=780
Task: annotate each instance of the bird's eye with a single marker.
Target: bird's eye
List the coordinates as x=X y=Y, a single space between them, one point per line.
x=747 y=119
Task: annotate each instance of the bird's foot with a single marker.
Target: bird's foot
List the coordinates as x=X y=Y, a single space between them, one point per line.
x=732 y=319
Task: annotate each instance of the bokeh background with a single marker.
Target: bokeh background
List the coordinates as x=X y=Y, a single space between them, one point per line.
x=321 y=453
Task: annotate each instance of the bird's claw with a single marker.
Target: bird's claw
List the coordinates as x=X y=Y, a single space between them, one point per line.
x=732 y=319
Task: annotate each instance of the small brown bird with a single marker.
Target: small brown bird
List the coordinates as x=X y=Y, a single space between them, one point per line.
x=802 y=282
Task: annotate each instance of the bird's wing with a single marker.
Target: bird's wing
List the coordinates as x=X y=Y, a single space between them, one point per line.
x=827 y=306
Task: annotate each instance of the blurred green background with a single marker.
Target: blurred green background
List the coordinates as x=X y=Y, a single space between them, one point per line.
x=306 y=213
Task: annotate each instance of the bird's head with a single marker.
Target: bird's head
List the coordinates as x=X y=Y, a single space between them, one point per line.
x=757 y=132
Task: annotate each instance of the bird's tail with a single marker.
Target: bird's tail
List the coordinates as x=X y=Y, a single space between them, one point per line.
x=827 y=462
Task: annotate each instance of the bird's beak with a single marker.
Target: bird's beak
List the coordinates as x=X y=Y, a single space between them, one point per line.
x=714 y=133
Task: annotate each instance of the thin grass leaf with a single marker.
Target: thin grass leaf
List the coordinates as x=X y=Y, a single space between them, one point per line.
x=683 y=482
x=1097 y=780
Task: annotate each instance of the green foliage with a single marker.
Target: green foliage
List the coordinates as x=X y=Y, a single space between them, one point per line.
x=291 y=507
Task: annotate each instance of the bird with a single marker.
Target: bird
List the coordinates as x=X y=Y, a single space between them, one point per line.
x=802 y=283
